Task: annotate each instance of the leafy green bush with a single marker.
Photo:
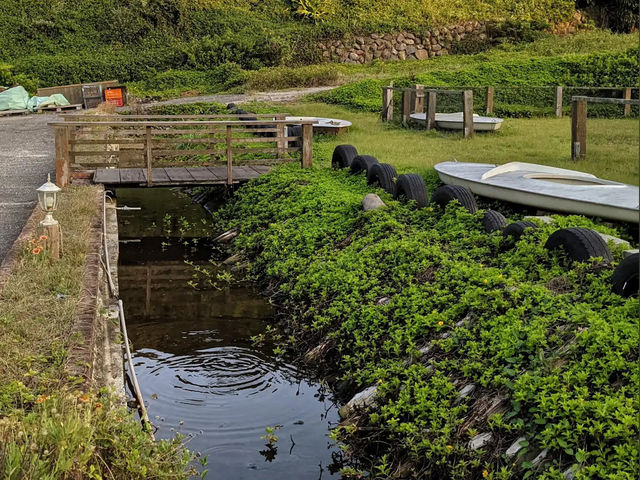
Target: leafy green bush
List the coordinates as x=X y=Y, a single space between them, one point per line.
x=518 y=322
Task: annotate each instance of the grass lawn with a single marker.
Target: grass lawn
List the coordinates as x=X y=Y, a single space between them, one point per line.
x=50 y=427
x=612 y=144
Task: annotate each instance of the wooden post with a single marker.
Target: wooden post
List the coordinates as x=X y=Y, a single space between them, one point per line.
x=467 y=115
x=406 y=106
x=418 y=99
x=387 y=103
x=307 y=145
x=53 y=243
x=490 y=93
x=212 y=145
x=229 y=157
x=280 y=127
x=62 y=156
x=627 y=96
x=431 y=110
x=558 y=101
x=578 y=129
x=148 y=154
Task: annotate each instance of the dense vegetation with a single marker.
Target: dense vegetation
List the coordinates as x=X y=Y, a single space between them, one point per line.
x=517 y=322
x=519 y=80
x=56 y=42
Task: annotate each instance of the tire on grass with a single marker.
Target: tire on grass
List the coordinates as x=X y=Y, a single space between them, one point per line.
x=581 y=244
x=446 y=193
x=384 y=175
x=342 y=155
x=516 y=229
x=624 y=280
x=362 y=163
x=493 y=221
x=412 y=187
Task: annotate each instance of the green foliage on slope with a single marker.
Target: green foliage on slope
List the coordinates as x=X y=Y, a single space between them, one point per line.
x=516 y=321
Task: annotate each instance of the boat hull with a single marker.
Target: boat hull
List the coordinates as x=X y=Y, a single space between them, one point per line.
x=454 y=121
x=609 y=200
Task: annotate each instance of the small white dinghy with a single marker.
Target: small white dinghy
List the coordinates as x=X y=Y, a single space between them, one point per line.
x=547 y=188
x=324 y=125
x=454 y=121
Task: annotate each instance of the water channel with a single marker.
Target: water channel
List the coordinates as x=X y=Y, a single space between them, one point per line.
x=198 y=369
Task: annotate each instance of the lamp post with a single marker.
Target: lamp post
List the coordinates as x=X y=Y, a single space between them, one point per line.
x=49 y=227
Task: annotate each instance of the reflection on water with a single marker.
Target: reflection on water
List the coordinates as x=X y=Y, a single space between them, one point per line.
x=199 y=372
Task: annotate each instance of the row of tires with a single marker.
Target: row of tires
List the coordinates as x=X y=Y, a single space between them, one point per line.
x=580 y=244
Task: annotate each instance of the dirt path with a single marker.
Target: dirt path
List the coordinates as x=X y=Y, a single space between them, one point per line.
x=27 y=154
x=275 y=97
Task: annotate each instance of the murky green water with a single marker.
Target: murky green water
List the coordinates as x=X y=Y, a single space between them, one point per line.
x=199 y=372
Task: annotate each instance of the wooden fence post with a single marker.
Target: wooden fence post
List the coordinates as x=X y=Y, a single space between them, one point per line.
x=229 y=157
x=62 y=156
x=418 y=99
x=307 y=145
x=467 y=115
x=490 y=93
x=148 y=154
x=627 y=96
x=280 y=127
x=431 y=110
x=558 y=101
x=406 y=106
x=578 y=129
x=387 y=103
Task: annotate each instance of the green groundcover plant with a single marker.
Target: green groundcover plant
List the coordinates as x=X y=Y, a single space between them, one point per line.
x=543 y=337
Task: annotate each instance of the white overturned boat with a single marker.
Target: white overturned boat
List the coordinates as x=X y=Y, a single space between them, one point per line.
x=454 y=121
x=547 y=188
x=323 y=125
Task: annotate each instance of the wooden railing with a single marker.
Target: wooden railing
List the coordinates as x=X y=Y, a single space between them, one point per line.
x=579 y=120
x=83 y=117
x=83 y=146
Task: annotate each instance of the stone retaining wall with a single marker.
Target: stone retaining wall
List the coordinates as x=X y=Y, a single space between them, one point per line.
x=418 y=46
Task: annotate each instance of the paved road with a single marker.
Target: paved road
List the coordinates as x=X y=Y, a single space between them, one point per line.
x=27 y=154
x=281 y=96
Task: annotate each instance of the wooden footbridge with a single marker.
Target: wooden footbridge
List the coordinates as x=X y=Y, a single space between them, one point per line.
x=172 y=150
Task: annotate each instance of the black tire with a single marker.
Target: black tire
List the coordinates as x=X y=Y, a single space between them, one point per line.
x=516 y=229
x=343 y=156
x=624 y=280
x=294 y=131
x=362 y=163
x=232 y=107
x=411 y=186
x=493 y=221
x=384 y=175
x=580 y=244
x=446 y=193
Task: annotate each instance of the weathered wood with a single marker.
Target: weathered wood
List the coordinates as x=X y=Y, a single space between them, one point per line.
x=82 y=117
x=627 y=106
x=148 y=144
x=307 y=146
x=229 y=157
x=406 y=106
x=179 y=174
x=201 y=174
x=279 y=139
x=558 y=101
x=467 y=116
x=613 y=101
x=107 y=176
x=159 y=175
x=387 y=103
x=62 y=156
x=578 y=128
x=418 y=99
x=431 y=110
x=53 y=241
x=181 y=123
x=133 y=175
x=489 y=102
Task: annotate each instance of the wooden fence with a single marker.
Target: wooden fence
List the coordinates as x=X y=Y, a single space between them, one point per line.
x=579 y=120
x=413 y=99
x=85 y=145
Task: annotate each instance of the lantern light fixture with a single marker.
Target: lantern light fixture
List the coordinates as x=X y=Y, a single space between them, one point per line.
x=48 y=200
